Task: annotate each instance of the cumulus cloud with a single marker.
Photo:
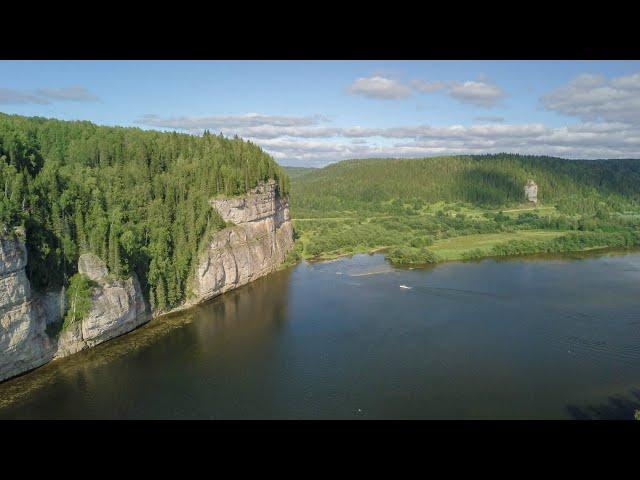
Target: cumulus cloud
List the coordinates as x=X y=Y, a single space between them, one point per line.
x=594 y=97
x=585 y=140
x=480 y=93
x=379 y=87
x=307 y=140
x=45 y=96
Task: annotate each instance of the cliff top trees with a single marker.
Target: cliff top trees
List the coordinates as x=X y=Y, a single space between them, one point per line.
x=138 y=199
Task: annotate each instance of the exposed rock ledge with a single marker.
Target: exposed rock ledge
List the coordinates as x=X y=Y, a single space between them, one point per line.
x=23 y=342
x=256 y=245
x=118 y=307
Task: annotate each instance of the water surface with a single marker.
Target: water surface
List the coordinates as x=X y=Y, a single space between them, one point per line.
x=522 y=338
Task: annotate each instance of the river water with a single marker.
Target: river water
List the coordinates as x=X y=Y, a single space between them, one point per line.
x=535 y=338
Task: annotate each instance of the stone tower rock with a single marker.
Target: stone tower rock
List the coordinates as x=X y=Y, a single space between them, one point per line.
x=531 y=192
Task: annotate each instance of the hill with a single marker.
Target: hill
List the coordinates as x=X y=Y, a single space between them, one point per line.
x=487 y=180
x=297 y=172
x=138 y=199
x=411 y=207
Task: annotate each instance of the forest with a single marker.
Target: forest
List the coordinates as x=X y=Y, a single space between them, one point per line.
x=385 y=185
x=138 y=199
x=412 y=208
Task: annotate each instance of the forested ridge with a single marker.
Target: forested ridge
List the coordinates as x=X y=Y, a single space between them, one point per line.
x=412 y=207
x=483 y=180
x=296 y=172
x=138 y=199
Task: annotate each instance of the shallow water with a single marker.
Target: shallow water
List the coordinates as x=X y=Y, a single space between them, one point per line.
x=521 y=338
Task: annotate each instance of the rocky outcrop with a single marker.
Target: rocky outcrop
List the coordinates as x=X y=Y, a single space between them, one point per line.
x=24 y=344
x=531 y=192
x=256 y=245
x=117 y=308
x=92 y=267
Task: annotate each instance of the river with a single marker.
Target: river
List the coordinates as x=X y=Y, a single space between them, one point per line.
x=534 y=338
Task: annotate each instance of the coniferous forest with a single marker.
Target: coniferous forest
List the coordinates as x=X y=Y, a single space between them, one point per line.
x=412 y=206
x=138 y=199
x=483 y=180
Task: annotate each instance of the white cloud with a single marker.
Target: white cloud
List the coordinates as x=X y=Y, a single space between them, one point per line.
x=593 y=97
x=586 y=140
x=304 y=140
x=379 y=87
x=481 y=93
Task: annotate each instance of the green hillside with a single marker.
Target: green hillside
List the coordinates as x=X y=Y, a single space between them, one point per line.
x=138 y=199
x=412 y=207
x=297 y=172
x=488 y=180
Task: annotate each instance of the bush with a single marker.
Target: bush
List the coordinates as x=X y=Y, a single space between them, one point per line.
x=473 y=254
x=412 y=256
x=78 y=298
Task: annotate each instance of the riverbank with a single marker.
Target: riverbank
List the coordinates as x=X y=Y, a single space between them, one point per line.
x=475 y=247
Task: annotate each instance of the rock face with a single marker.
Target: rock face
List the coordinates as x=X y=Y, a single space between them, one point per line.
x=531 y=191
x=92 y=266
x=255 y=246
x=23 y=343
x=118 y=307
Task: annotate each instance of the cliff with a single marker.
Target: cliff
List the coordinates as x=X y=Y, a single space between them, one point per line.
x=256 y=244
x=23 y=342
x=117 y=307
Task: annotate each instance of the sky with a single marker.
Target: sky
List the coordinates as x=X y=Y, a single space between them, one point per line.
x=311 y=113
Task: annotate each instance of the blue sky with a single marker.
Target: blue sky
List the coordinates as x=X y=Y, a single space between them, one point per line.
x=316 y=112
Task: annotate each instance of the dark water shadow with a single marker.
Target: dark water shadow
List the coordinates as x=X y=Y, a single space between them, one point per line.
x=617 y=407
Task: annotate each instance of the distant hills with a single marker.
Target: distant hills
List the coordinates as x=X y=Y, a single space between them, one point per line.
x=296 y=172
x=485 y=180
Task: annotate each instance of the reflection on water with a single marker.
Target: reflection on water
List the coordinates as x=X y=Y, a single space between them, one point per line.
x=543 y=337
x=252 y=311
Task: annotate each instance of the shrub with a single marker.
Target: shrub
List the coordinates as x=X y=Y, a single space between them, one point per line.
x=78 y=297
x=412 y=256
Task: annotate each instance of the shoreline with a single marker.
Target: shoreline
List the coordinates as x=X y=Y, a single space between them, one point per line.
x=333 y=258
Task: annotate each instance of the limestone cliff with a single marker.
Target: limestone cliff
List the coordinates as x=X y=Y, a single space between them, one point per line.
x=23 y=342
x=256 y=245
x=117 y=308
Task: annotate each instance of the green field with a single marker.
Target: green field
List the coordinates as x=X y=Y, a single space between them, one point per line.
x=454 y=248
